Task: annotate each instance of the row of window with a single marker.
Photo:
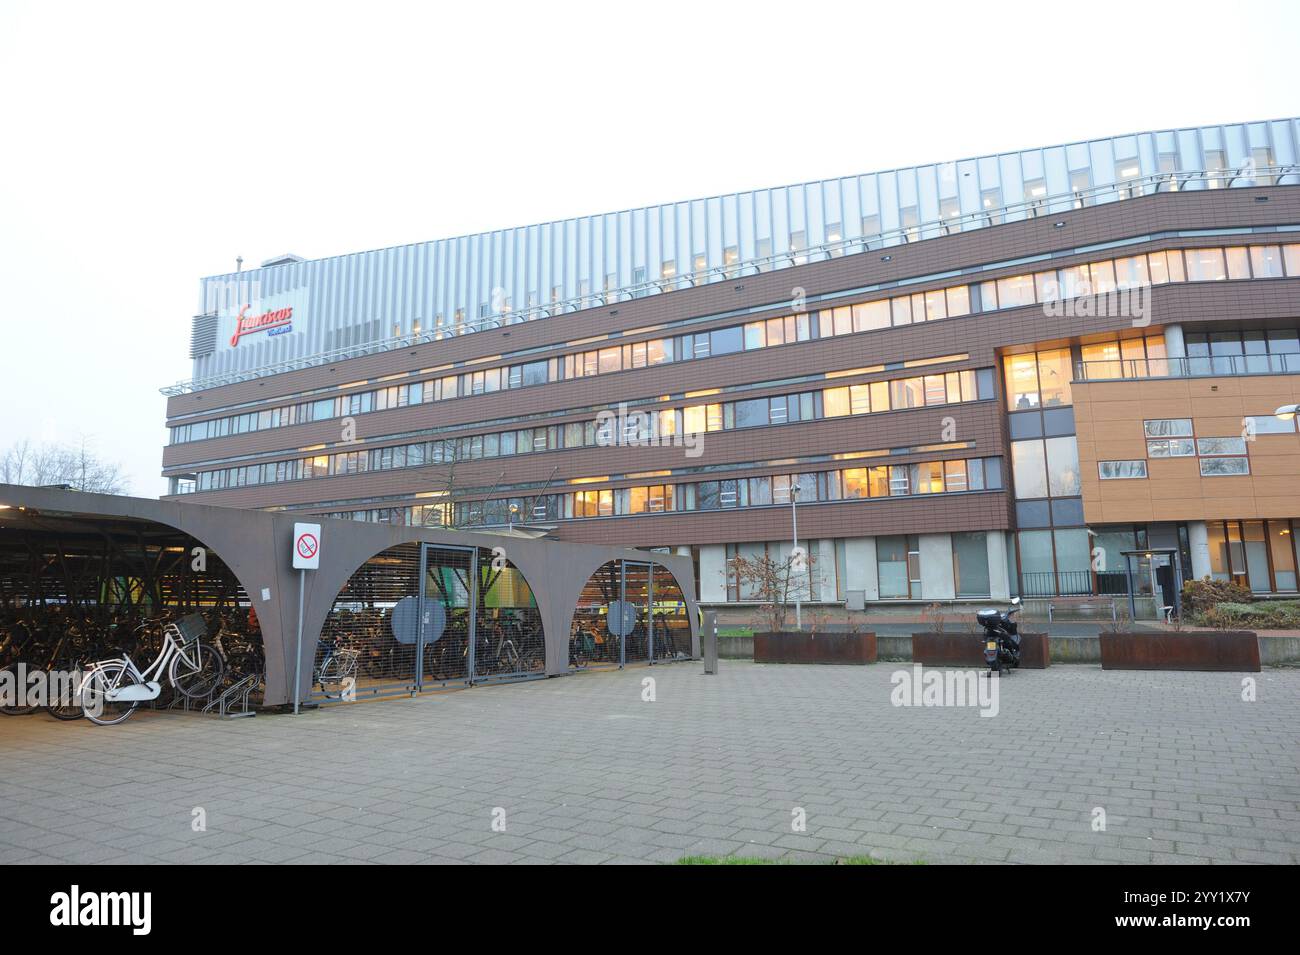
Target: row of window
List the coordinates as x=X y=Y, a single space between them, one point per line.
x=1156 y=268
x=1175 y=438
x=872 y=398
x=897 y=568
x=1137 y=469
x=889 y=480
x=1214 y=264
x=1260 y=555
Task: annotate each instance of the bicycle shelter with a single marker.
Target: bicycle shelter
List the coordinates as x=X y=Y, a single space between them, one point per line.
x=78 y=587
x=419 y=607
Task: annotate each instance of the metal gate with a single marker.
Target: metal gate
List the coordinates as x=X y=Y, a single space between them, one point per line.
x=367 y=646
x=479 y=620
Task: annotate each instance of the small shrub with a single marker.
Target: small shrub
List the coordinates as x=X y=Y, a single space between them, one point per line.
x=1202 y=595
x=1263 y=615
x=1219 y=618
x=934 y=615
x=1121 y=622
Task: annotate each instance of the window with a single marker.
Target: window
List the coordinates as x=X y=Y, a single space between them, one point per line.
x=907 y=393
x=1209 y=446
x=901 y=310
x=891 y=566
x=909 y=219
x=1224 y=467
x=1121 y=470
x=855 y=483
x=840 y=321
x=954 y=476
x=958 y=301
x=1171 y=448
x=871 y=315
x=1021 y=381
x=1062 y=466
x=1054 y=377
x=751 y=414
x=1167 y=427
x=798 y=243
x=724 y=341
x=991 y=202
x=1205 y=265
x=1015 y=291
x=1281 y=547
x=1029 y=469
x=1269 y=424
x=1037 y=569
x=859 y=399
x=1238 y=263
x=936 y=390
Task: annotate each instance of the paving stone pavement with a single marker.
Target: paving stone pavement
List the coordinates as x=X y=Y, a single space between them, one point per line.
x=586 y=772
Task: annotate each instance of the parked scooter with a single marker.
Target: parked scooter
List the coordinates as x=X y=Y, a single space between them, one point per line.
x=1001 y=637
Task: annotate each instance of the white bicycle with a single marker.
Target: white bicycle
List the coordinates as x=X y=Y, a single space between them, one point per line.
x=112 y=689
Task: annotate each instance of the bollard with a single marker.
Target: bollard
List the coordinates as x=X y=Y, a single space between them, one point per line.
x=710 y=635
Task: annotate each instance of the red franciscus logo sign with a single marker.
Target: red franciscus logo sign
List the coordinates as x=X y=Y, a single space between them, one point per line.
x=274 y=322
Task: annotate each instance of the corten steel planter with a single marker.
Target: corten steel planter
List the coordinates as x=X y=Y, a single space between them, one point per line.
x=967 y=650
x=798 y=647
x=1233 y=651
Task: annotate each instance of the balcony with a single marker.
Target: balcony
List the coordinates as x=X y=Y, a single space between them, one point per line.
x=1216 y=366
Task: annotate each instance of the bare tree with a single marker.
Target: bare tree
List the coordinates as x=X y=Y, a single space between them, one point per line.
x=773 y=583
x=76 y=466
x=441 y=477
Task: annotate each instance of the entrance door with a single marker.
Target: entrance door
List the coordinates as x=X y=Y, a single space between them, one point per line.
x=1166 y=592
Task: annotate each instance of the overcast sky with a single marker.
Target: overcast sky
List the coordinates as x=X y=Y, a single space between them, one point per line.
x=144 y=146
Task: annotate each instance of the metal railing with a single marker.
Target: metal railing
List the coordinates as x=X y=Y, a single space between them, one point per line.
x=1073 y=583
x=930 y=229
x=1198 y=367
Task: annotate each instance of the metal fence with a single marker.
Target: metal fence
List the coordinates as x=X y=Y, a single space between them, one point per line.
x=1073 y=583
x=629 y=612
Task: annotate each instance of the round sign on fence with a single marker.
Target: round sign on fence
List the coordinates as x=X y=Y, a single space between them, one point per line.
x=405 y=621
x=620 y=618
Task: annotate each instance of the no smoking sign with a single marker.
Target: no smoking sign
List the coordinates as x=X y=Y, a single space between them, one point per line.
x=306 y=546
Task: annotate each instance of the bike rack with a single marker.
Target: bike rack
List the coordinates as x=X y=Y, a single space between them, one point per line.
x=232 y=702
x=235 y=695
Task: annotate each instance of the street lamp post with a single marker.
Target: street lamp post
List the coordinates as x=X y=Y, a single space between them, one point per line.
x=513 y=509
x=1287 y=412
x=794 y=554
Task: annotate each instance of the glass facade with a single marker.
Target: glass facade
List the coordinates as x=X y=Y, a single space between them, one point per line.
x=433 y=286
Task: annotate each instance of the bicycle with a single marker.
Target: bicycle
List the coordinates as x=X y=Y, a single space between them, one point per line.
x=337 y=672
x=14 y=648
x=112 y=689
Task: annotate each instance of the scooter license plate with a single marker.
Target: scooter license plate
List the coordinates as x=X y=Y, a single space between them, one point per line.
x=991 y=645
